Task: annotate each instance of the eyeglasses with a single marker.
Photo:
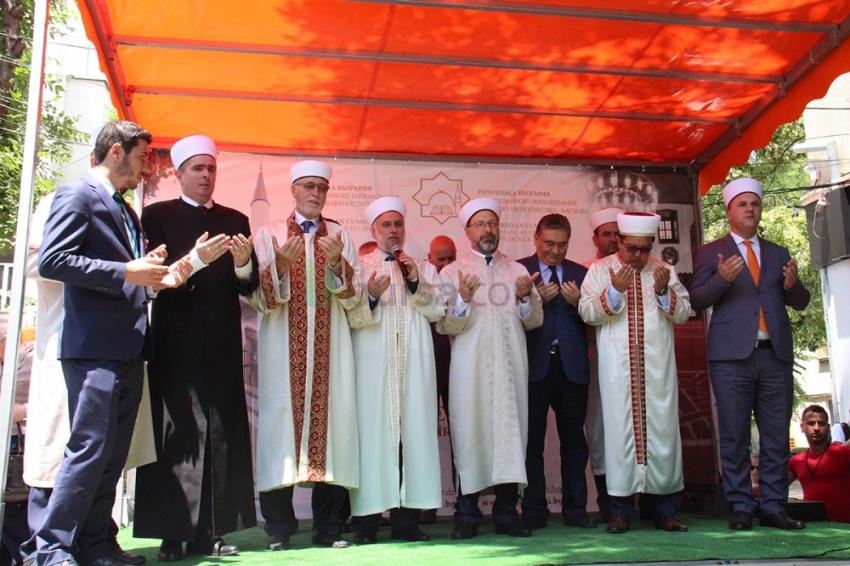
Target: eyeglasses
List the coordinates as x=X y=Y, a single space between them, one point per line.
x=493 y=224
x=310 y=186
x=560 y=245
x=635 y=249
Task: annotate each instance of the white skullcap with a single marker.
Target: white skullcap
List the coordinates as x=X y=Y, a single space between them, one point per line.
x=190 y=147
x=604 y=216
x=382 y=205
x=740 y=186
x=477 y=205
x=310 y=168
x=639 y=224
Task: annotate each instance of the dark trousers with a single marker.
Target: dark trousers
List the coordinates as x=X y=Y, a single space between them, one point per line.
x=661 y=505
x=327 y=502
x=401 y=518
x=762 y=384
x=569 y=402
x=103 y=400
x=504 y=508
x=15 y=532
x=37 y=511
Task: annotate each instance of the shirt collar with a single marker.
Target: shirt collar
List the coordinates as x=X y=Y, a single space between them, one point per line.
x=738 y=239
x=544 y=267
x=187 y=200
x=300 y=220
x=110 y=188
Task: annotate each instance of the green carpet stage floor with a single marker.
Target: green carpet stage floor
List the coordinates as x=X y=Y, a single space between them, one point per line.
x=708 y=540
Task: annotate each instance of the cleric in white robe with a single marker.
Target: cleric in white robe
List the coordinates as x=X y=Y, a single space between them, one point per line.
x=633 y=300
x=307 y=429
x=396 y=382
x=491 y=302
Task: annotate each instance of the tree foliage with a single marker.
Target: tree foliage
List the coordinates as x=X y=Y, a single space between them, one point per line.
x=780 y=171
x=58 y=130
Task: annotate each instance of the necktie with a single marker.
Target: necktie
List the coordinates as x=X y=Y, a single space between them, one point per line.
x=489 y=259
x=755 y=271
x=554 y=278
x=128 y=223
x=307 y=226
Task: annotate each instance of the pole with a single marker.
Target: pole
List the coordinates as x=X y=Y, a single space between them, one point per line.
x=41 y=10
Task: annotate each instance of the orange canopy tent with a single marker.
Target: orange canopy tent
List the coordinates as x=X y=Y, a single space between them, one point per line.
x=696 y=84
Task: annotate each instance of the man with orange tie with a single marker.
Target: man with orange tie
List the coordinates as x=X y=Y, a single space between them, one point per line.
x=749 y=281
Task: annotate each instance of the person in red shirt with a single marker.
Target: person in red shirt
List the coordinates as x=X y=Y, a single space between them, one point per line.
x=823 y=469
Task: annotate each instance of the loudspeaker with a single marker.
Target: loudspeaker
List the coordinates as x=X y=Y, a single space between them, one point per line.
x=829 y=230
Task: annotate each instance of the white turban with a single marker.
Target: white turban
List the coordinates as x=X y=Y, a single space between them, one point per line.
x=641 y=224
x=477 y=205
x=310 y=168
x=604 y=216
x=740 y=186
x=189 y=147
x=382 y=205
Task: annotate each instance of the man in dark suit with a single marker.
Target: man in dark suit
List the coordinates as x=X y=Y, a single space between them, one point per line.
x=93 y=243
x=558 y=375
x=749 y=281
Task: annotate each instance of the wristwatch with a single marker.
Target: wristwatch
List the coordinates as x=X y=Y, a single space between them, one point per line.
x=662 y=292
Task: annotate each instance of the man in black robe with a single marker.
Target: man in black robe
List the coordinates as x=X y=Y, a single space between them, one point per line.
x=202 y=486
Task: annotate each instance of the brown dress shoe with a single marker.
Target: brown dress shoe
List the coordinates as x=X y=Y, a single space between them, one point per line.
x=617 y=524
x=671 y=524
x=782 y=521
x=741 y=521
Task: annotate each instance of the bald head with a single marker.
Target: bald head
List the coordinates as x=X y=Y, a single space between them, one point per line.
x=442 y=252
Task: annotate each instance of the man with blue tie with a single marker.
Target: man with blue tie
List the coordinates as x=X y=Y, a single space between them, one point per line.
x=307 y=429
x=558 y=375
x=749 y=282
x=93 y=243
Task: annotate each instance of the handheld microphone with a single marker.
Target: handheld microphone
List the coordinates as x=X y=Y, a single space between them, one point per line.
x=397 y=254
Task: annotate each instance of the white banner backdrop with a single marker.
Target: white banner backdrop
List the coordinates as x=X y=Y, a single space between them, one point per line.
x=434 y=192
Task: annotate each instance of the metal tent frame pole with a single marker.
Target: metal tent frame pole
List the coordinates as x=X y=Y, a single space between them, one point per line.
x=41 y=11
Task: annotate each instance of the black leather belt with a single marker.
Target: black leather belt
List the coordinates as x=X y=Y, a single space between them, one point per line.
x=763 y=344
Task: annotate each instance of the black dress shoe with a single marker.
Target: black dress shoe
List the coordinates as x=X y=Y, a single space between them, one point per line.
x=329 y=541
x=464 y=530
x=741 y=521
x=618 y=524
x=782 y=521
x=366 y=536
x=410 y=534
x=581 y=521
x=671 y=524
x=124 y=557
x=427 y=516
x=215 y=547
x=513 y=529
x=535 y=522
x=170 y=551
x=220 y=548
x=278 y=542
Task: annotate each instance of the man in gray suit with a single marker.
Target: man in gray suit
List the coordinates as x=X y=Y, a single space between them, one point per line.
x=93 y=243
x=749 y=281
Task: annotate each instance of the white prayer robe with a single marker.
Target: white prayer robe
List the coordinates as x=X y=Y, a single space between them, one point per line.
x=280 y=462
x=488 y=379
x=637 y=378
x=594 y=430
x=397 y=391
